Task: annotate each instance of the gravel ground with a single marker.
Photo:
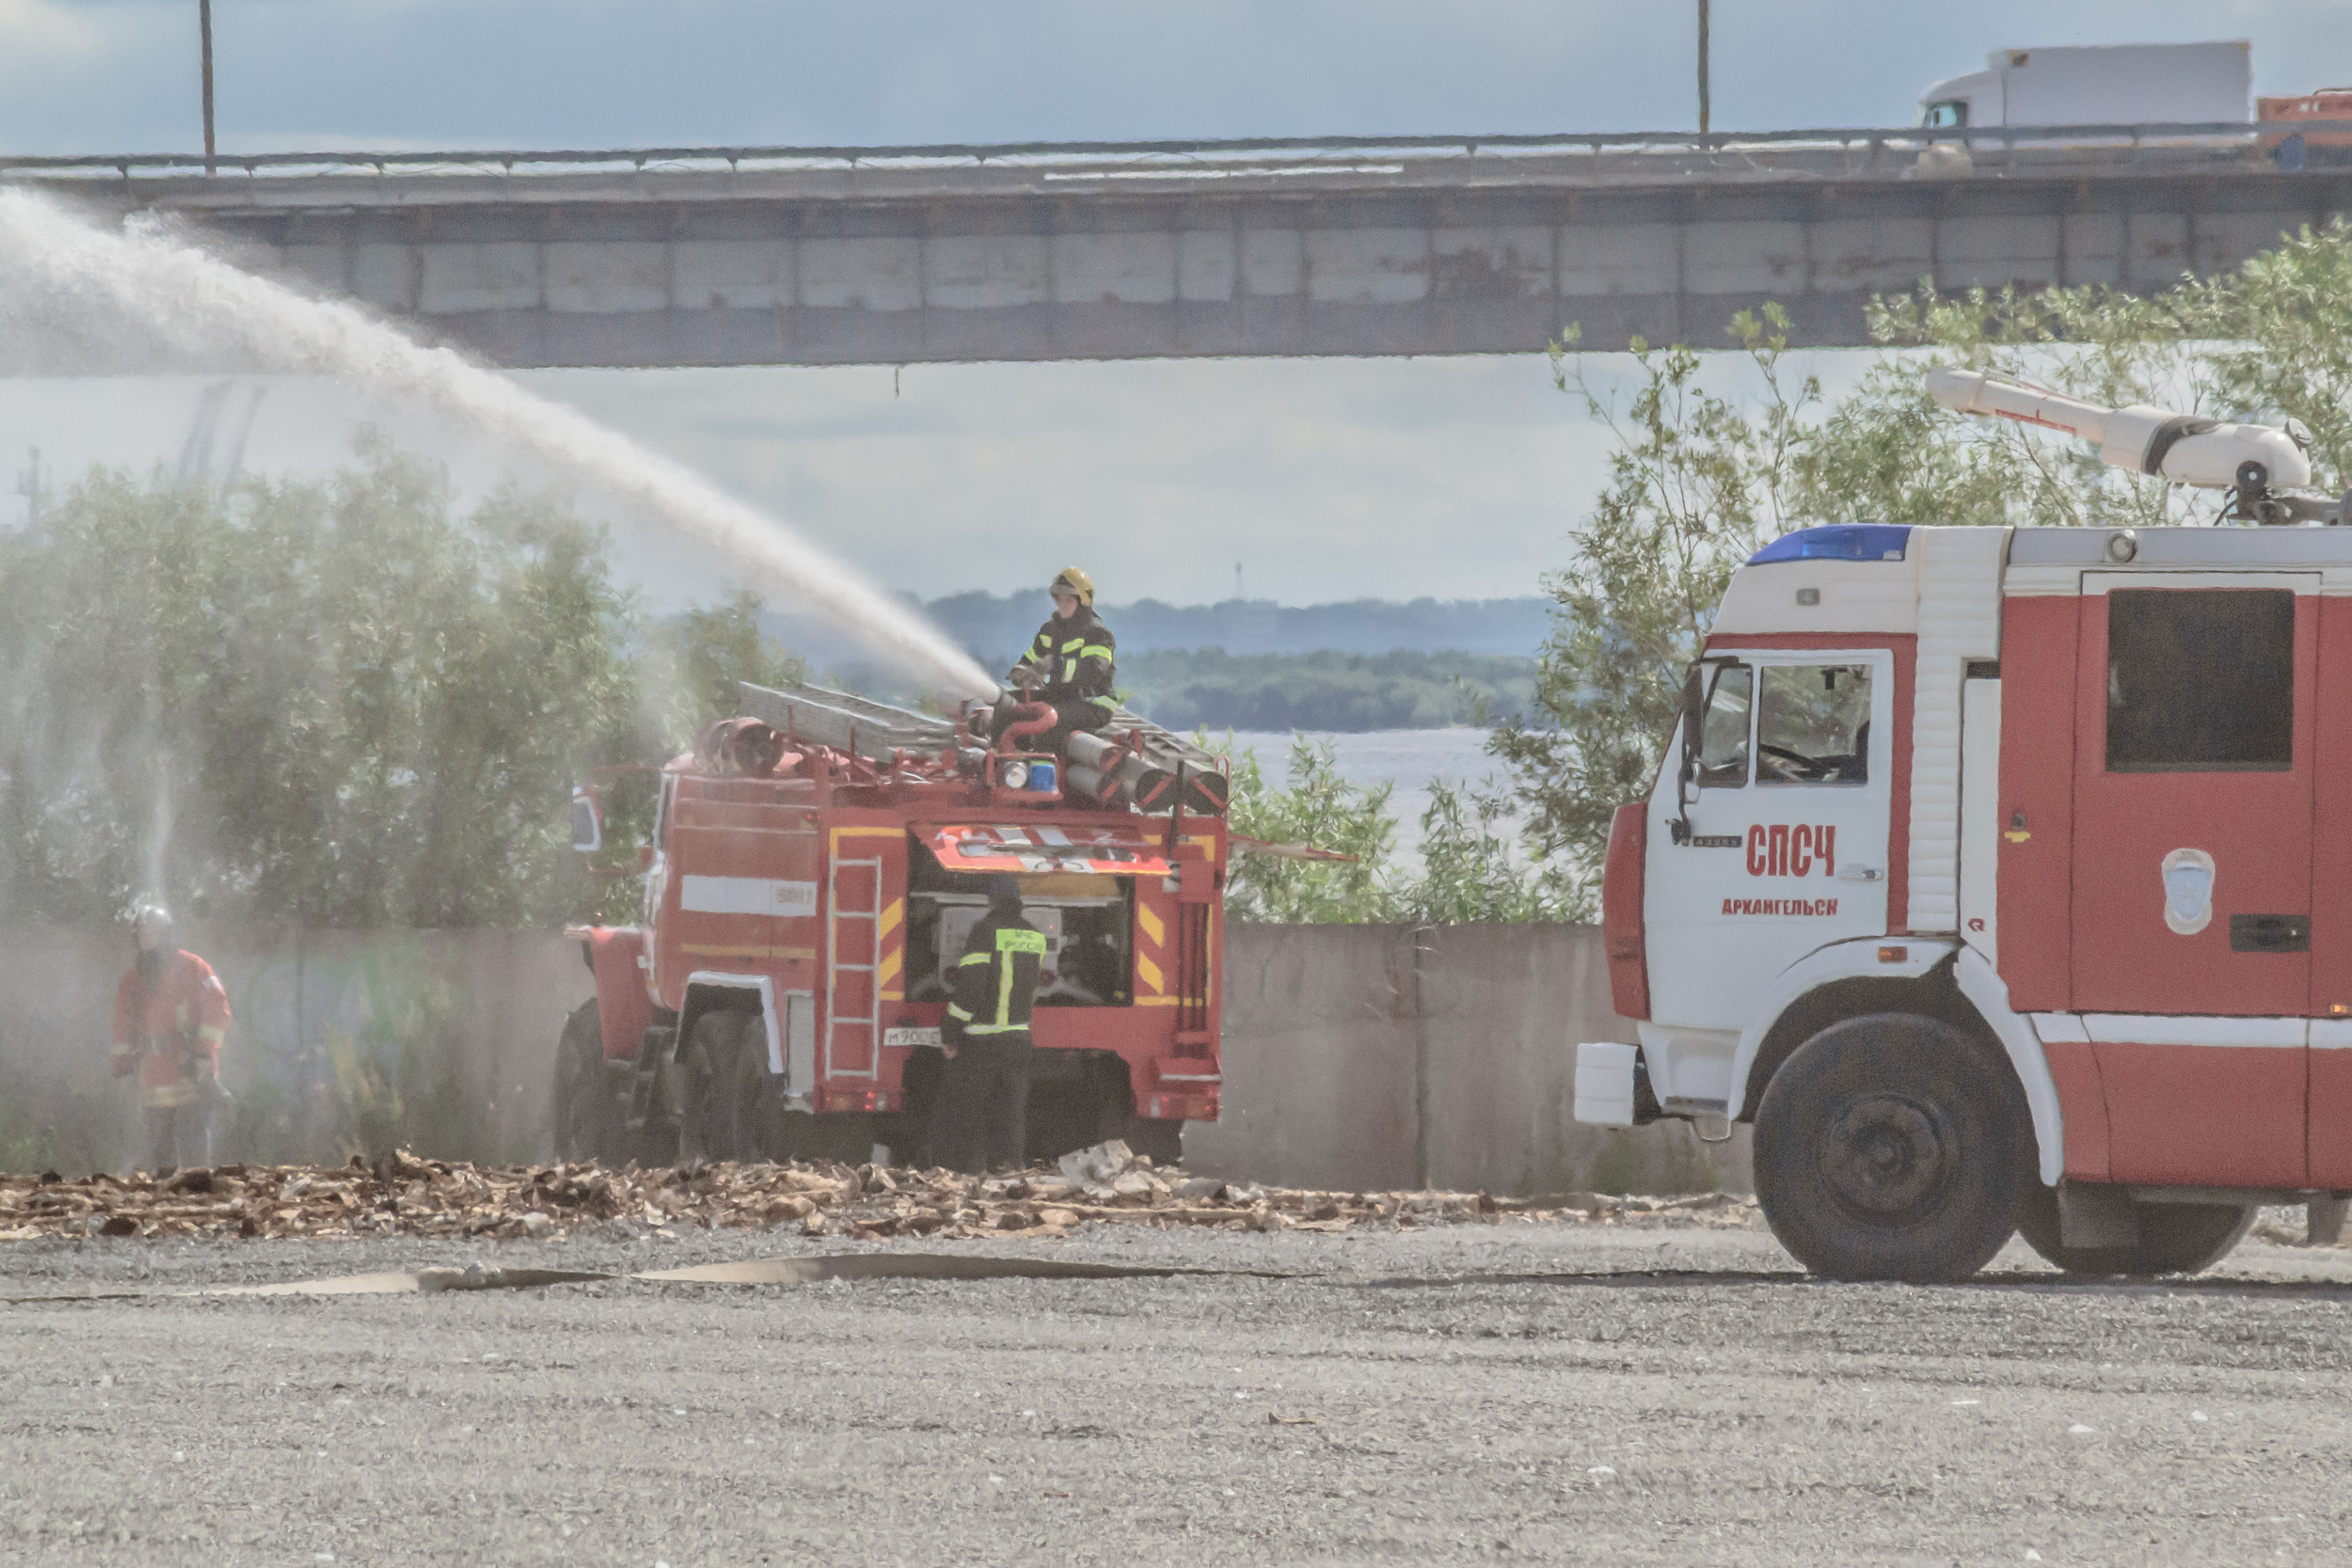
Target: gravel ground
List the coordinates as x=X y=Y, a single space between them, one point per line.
x=1648 y=1391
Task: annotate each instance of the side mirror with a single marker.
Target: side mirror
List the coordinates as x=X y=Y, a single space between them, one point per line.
x=1687 y=769
x=587 y=820
x=1693 y=715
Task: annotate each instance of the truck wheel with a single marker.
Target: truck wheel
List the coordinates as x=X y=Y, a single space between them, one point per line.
x=1115 y=1117
x=1892 y=1146
x=752 y=1105
x=2174 y=1238
x=704 y=1128
x=2189 y=1238
x=1163 y=1141
x=589 y=1121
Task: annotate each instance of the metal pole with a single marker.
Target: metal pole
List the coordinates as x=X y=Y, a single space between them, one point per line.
x=204 y=25
x=1703 y=102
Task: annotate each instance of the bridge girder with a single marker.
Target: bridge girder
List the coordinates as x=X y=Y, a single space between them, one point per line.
x=1411 y=257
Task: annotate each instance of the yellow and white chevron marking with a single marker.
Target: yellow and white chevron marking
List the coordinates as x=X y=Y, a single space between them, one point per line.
x=1151 y=949
x=889 y=968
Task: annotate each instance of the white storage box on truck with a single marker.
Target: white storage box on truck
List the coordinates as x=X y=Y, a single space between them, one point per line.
x=1986 y=875
x=2134 y=84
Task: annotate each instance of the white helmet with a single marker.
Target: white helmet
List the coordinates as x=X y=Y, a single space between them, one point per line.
x=149 y=918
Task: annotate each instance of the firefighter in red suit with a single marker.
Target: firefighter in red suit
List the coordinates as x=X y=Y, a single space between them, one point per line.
x=170 y=1013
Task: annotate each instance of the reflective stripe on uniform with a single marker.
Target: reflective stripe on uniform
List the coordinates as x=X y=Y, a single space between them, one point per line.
x=1011 y=940
x=957 y=1012
x=1094 y=650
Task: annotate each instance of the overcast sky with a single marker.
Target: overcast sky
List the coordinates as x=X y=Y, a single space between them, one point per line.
x=1324 y=479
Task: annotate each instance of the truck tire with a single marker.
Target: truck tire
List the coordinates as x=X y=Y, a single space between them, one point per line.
x=590 y=1122
x=1163 y=1141
x=705 y=1128
x=752 y=1104
x=1093 y=1109
x=1892 y=1146
x=1115 y=1117
x=2174 y=1238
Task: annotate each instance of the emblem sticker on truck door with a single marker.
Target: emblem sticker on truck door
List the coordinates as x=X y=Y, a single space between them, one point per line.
x=2187 y=891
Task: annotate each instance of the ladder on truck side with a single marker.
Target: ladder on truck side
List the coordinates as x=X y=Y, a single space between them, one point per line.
x=870 y=1020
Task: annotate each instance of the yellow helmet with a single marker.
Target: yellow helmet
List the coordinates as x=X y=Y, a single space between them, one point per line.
x=1072 y=580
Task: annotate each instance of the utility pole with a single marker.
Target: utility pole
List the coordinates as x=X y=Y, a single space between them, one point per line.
x=204 y=25
x=1702 y=103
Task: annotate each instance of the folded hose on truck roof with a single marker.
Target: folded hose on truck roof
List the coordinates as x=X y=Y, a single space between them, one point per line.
x=1108 y=772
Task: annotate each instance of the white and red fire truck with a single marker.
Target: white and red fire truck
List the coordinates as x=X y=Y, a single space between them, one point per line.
x=1990 y=875
x=815 y=867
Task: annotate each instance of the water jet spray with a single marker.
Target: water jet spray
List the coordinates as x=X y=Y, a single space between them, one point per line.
x=59 y=269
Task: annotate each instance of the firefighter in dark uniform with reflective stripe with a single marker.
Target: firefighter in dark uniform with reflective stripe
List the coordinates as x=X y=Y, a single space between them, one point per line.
x=981 y=1117
x=1069 y=665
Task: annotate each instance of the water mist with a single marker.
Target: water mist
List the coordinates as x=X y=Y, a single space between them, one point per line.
x=57 y=271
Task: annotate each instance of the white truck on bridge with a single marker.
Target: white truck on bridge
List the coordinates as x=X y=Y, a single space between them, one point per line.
x=2132 y=83
x=1988 y=874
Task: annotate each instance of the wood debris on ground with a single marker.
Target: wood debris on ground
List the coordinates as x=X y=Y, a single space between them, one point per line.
x=402 y=1194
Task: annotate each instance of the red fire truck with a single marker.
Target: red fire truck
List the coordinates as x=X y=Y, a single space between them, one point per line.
x=815 y=867
x=1989 y=881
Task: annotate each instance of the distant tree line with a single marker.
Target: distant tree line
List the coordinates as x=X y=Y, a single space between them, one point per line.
x=1324 y=691
x=993 y=624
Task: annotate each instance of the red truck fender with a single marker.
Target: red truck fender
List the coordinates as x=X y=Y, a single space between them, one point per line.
x=1623 y=876
x=1987 y=993
x=624 y=1009
x=1913 y=959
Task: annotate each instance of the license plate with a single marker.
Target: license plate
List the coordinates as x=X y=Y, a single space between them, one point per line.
x=911 y=1035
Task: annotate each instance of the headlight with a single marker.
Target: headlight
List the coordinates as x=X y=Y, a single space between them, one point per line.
x=1013 y=775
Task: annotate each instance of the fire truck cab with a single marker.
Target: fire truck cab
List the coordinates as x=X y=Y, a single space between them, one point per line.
x=1982 y=877
x=815 y=867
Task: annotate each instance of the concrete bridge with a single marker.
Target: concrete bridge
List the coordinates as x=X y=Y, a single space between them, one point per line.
x=1287 y=247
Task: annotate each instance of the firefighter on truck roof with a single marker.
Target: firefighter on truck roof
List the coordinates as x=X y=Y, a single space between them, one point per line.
x=170 y=1014
x=1068 y=666
x=981 y=1119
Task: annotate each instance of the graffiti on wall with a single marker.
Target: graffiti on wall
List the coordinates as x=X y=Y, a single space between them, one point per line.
x=349 y=1047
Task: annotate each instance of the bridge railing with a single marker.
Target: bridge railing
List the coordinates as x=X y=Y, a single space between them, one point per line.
x=1234 y=152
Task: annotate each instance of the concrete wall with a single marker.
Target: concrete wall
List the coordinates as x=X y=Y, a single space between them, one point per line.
x=1372 y=1057
x=341 y=1040
x=1356 y=1057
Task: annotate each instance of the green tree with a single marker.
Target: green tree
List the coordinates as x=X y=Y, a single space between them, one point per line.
x=1473 y=870
x=2269 y=341
x=694 y=659
x=1695 y=485
x=336 y=703
x=1699 y=479
x=1320 y=809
